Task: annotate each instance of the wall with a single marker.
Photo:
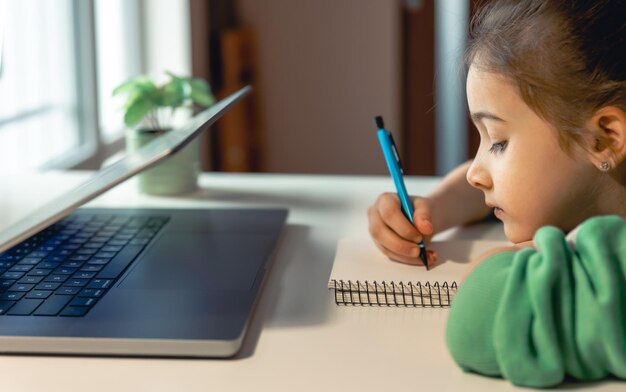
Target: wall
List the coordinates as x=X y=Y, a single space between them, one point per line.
x=326 y=67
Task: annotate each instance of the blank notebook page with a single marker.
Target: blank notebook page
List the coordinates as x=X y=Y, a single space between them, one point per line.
x=360 y=260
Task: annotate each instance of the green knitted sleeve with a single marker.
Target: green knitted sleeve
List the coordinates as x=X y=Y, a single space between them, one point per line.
x=536 y=315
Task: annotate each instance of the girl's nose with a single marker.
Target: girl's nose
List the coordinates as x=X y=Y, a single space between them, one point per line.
x=478 y=176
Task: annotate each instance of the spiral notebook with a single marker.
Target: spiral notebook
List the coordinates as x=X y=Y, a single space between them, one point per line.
x=362 y=275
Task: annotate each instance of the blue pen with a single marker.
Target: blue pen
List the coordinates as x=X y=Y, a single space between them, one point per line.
x=395 y=168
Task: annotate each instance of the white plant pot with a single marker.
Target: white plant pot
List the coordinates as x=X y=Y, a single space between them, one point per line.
x=174 y=175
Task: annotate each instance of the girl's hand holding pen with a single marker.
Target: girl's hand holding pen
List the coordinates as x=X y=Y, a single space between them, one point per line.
x=394 y=235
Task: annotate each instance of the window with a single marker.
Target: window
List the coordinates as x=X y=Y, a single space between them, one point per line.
x=39 y=100
x=59 y=62
x=118 y=54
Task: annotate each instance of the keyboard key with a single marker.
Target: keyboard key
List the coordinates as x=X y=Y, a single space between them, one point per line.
x=24 y=307
x=39 y=294
x=99 y=284
x=6 y=283
x=102 y=238
x=95 y=293
x=70 y=247
x=79 y=257
x=91 y=268
x=94 y=245
x=120 y=220
x=119 y=263
x=83 y=301
x=53 y=305
x=76 y=282
x=5 y=305
x=30 y=279
x=11 y=296
x=47 y=286
x=102 y=218
x=56 y=278
x=49 y=264
x=21 y=268
x=61 y=253
x=11 y=275
x=111 y=248
x=65 y=271
x=67 y=290
x=117 y=242
x=56 y=257
x=98 y=261
x=40 y=272
x=85 y=251
x=75 y=311
x=84 y=275
x=73 y=264
x=30 y=260
x=12 y=258
x=146 y=233
x=21 y=287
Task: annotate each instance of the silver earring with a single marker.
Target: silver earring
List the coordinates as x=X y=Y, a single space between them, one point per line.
x=605 y=166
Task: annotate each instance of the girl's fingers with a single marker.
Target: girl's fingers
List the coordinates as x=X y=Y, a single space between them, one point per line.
x=389 y=239
x=431 y=256
x=398 y=257
x=390 y=212
x=394 y=234
x=422 y=218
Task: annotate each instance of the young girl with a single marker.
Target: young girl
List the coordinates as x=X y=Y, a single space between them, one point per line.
x=546 y=88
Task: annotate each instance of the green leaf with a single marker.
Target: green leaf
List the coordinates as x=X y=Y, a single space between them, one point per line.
x=174 y=76
x=137 y=110
x=173 y=93
x=143 y=96
x=201 y=93
x=131 y=85
x=126 y=87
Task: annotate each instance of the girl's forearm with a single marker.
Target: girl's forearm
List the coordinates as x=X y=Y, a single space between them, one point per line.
x=455 y=202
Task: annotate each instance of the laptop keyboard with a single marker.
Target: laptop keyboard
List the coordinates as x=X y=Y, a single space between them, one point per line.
x=65 y=269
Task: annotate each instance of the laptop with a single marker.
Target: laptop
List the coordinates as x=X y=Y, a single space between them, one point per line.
x=134 y=282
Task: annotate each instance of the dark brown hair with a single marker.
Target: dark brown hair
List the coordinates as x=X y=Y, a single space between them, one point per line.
x=567 y=57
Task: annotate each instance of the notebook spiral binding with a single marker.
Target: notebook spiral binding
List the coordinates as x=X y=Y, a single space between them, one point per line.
x=391 y=294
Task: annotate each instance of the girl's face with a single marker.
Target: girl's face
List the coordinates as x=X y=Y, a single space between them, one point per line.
x=520 y=166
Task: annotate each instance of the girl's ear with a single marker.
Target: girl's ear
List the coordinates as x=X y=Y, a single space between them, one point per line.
x=608 y=126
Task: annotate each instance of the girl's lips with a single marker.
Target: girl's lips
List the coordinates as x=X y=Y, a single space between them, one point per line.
x=497 y=211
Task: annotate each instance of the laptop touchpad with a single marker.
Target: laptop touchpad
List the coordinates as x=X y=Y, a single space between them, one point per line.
x=208 y=261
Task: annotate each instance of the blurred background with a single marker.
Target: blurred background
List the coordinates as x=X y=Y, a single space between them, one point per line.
x=321 y=70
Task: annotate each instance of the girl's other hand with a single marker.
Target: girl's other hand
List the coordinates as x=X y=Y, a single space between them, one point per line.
x=392 y=232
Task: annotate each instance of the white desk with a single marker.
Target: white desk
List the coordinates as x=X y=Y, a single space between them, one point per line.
x=299 y=339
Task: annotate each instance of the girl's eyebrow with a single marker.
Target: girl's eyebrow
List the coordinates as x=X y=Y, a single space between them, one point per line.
x=478 y=116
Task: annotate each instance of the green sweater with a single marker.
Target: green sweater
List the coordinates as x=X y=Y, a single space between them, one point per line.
x=536 y=315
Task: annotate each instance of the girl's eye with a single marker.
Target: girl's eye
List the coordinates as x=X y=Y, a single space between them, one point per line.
x=497 y=147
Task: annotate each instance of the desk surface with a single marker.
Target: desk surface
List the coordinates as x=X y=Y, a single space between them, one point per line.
x=299 y=339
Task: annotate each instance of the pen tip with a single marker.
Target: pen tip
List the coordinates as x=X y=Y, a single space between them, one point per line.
x=379 y=122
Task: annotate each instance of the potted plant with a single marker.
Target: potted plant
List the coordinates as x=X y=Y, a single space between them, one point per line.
x=149 y=112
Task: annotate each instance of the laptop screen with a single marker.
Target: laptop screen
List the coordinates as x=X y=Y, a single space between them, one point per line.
x=108 y=177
